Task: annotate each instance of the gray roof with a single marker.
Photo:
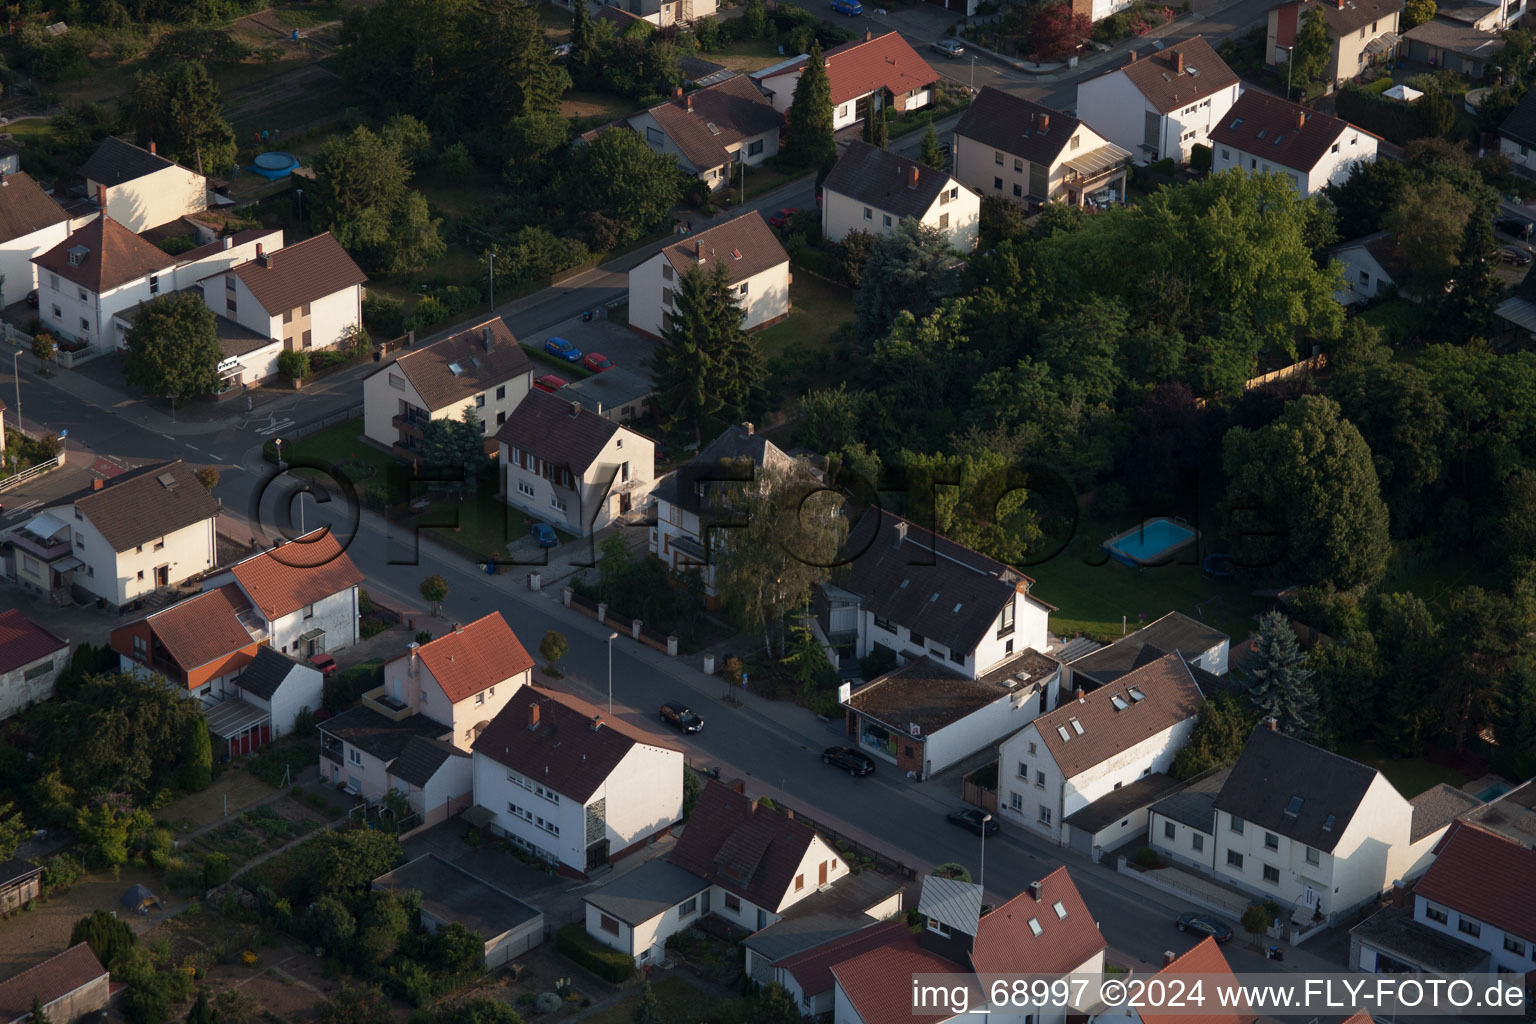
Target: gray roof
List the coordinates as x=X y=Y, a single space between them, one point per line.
x=736 y=442
x=266 y=672
x=1457 y=37
x=611 y=389
x=1075 y=648
x=449 y=893
x=557 y=430
x=885 y=181
x=1173 y=632
x=839 y=909
x=421 y=759
x=144 y=503
x=15 y=869
x=116 y=162
x=1274 y=768
x=1014 y=125
x=1117 y=803
x=1195 y=804
x=1437 y=807
x=952 y=902
x=381 y=737
x=1394 y=930
x=1520 y=125
x=655 y=887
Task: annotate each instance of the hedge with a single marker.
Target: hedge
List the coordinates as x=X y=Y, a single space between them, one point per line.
x=575 y=944
x=1394 y=120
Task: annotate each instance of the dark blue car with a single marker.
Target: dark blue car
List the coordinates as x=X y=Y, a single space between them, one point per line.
x=544 y=535
x=562 y=348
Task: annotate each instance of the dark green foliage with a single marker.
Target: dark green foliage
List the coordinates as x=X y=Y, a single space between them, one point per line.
x=931 y=154
x=1309 y=56
x=212 y=47
x=293 y=364
x=1394 y=120
x=880 y=660
x=647 y=1010
x=108 y=936
x=13 y=831
x=808 y=140
x=382 y=316
x=621 y=178
x=202 y=1011
x=456 y=445
x=1216 y=740
x=1436 y=113
x=362 y=196
x=196 y=758
x=1475 y=286
x=180 y=110
x=908 y=272
x=693 y=785
x=573 y=942
x=476 y=1010
x=355 y=1005
x=707 y=370
x=1513 y=713
x=1403 y=421
x=1282 y=684
x=216 y=870
x=173 y=350
x=38 y=1015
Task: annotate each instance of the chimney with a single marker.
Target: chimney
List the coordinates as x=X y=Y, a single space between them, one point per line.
x=1168 y=957
x=458 y=628
x=1133 y=56
x=1079 y=694
x=228 y=241
x=97 y=484
x=698 y=250
x=1045 y=122
x=747 y=428
x=597 y=722
x=1399 y=893
x=575 y=409
x=412 y=648
x=1273 y=723
x=787 y=813
x=1178 y=55
x=912 y=177
x=869 y=33
x=901 y=533
x=488 y=338
x=101 y=197
x=151 y=147
x=1034 y=891
x=677 y=93
x=533 y=715
x=688 y=102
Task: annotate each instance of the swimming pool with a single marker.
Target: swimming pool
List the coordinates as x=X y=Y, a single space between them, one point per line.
x=1153 y=542
x=1493 y=792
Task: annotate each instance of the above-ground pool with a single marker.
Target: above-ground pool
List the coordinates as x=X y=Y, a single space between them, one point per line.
x=1493 y=792
x=274 y=165
x=1153 y=542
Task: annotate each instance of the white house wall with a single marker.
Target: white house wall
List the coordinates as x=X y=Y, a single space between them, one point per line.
x=331 y=315
x=188 y=274
x=816 y=854
x=156 y=198
x=115 y=575
x=1352 y=147
x=83 y=315
x=494 y=791
x=1117 y=110
x=1153 y=754
x=1020 y=798
x=981 y=728
x=1364 y=278
x=302 y=688
x=587 y=510
x=1490 y=938
x=20 y=273
x=1181 y=847
x=17 y=691
x=642 y=795
x=767 y=296
x=1519 y=154
x=381 y=403
x=841 y=214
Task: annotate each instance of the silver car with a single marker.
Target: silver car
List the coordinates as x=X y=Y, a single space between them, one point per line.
x=949 y=47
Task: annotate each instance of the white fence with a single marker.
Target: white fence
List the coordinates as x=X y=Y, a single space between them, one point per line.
x=29 y=474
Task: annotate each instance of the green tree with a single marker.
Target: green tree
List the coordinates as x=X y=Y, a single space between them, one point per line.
x=806 y=660
x=43 y=350
x=236 y=1006
x=774 y=1005
x=1517 y=521
x=1255 y=920
x=409 y=138
x=1486 y=639
x=38 y=1015
x=1475 y=286
x=294 y=364
x=808 y=140
x=1513 y=713
x=196 y=758
x=553 y=648
x=181 y=112
x=754 y=19
x=202 y=1011
x=354 y=1004
x=1304 y=500
x=1309 y=55
x=1404 y=422
x=380 y=930
x=216 y=870
x=977 y=499
x=173 y=349
x=647 y=1010
x=13 y=831
x=958 y=872
x=619 y=177
x=931 y=154
x=1437 y=114
x=707 y=368
x=362 y=196
x=434 y=590
x=331 y=924
x=830 y=418
x=909 y=269
x=1216 y=740
x=108 y=935
x=583 y=55
x=106 y=833
x=456 y=445
x=1282 y=684
x=693 y=785
x=478 y=1010
x=208 y=476
x=1417 y=12
x=1362 y=200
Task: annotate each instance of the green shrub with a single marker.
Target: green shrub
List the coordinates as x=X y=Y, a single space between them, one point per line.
x=215 y=869
x=293 y=365
x=575 y=944
x=60 y=872
x=1147 y=857
x=383 y=316
x=176 y=245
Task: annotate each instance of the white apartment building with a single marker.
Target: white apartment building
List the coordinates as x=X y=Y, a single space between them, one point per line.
x=1161 y=105
x=756 y=266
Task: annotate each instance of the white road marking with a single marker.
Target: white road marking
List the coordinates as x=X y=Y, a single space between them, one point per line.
x=190 y=446
x=168 y=437
x=216 y=458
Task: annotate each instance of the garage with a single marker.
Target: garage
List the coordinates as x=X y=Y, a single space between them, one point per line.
x=1117 y=817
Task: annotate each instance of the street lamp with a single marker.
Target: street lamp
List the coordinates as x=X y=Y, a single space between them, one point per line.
x=1290 y=53
x=986 y=819
x=611 y=638
x=15 y=372
x=279 y=442
x=973 y=72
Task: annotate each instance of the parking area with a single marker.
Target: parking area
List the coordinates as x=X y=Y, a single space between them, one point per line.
x=612 y=338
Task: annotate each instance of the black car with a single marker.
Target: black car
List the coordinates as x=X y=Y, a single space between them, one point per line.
x=854 y=762
x=976 y=820
x=1519 y=227
x=1203 y=924
x=1515 y=255
x=676 y=713
x=32 y=298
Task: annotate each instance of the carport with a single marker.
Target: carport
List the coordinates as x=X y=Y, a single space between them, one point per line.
x=243 y=727
x=1117 y=817
x=450 y=894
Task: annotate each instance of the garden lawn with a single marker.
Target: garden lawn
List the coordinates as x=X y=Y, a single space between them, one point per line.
x=602 y=106
x=819 y=309
x=340 y=445
x=1397 y=319
x=1410 y=775
x=479 y=528
x=675 y=998
x=239 y=788
x=747 y=55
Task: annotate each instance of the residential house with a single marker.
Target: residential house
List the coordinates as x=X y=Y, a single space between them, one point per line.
x=1454 y=45
x=616 y=394
x=660 y=13
x=1372 y=266
x=435 y=777
x=745 y=866
x=31 y=659
x=20 y=884
x=68 y=986
x=1205 y=650
x=1161 y=105
x=1266 y=134
x=1519 y=310
x=571 y=467
x=1009 y=146
x=120 y=539
x=248 y=358
x=140 y=189
x=31 y=223
x=574 y=786
x=94 y=273
x=807 y=975
x=756 y=266
x=308 y=295
x=482 y=368
x=10 y=159
x=359 y=747
x=1360 y=33
x=1091 y=748
x=873 y=189
x=1474 y=910
x=507 y=926
x=1205 y=965
x=305 y=592
x=865 y=75
x=282 y=686
x=1316 y=832
x=1517 y=135
x=714 y=131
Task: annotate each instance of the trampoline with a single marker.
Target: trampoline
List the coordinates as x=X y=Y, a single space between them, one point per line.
x=274 y=165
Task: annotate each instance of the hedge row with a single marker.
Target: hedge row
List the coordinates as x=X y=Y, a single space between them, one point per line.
x=573 y=942
x=1392 y=119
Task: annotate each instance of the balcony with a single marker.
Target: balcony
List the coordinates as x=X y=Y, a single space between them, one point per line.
x=380 y=700
x=410 y=422
x=331 y=754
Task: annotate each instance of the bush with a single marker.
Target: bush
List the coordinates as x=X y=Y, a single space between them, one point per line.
x=575 y=944
x=61 y=871
x=1147 y=857
x=176 y=245
x=384 y=316
x=1394 y=120
x=216 y=870
x=293 y=365
x=347 y=687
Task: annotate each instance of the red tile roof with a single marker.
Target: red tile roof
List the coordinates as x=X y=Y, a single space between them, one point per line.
x=560 y=748
x=1180 y=75
x=1278 y=130
x=57 y=976
x=812 y=968
x=474 y=657
x=1170 y=696
x=748 y=849
x=859 y=68
x=1486 y=876
x=1205 y=958
x=203 y=628
x=1359 y=1018
x=303 y=571
x=23 y=641
x=1007 y=943
x=112 y=256
x=877 y=984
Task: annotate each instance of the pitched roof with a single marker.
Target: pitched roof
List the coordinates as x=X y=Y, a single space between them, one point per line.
x=420 y=759
x=928 y=694
x=470 y=658
x=859 y=68
x=25 y=207
x=144 y=504
x=1275 y=769
x=15 y=869
x=746 y=245
x=1278 y=130
x=1017 y=126
x=106 y=255
x=572 y=746
x=950 y=902
x=267 y=671
x=1520 y=125
x=219 y=245
x=204 y=628
x=57 y=976
x=23 y=641
x=1195 y=804
x=1349 y=16
x=1204 y=959
x=304 y=570
x=557 y=431
x=1437 y=807
x=378 y=735
x=734 y=443
x=812 y=968
x=1158 y=77
x=651 y=889
x=1006 y=939
x=926 y=582
x=875 y=985
x=1172 y=632
x=1085 y=732
x=299 y=273
x=116 y=162
x=702 y=123
x=462 y=365
x=895 y=184
x=1484 y=875
x=1457 y=37
x=750 y=850
x=1115 y=805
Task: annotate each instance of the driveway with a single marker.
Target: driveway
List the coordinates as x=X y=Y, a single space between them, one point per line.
x=613 y=339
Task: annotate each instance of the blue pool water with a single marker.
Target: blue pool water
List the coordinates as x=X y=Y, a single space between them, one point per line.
x=1152 y=540
x=1493 y=792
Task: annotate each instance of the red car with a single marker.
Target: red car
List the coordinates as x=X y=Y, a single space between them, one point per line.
x=782 y=218
x=597 y=362
x=325 y=663
x=549 y=382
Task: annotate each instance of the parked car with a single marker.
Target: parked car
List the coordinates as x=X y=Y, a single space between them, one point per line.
x=1520 y=227
x=597 y=362
x=564 y=349
x=854 y=762
x=676 y=714
x=549 y=382
x=949 y=47
x=1205 y=925
x=1515 y=255
x=976 y=820
x=325 y=663
x=32 y=298
x=544 y=535
x=563 y=50
x=783 y=217
x=852 y=8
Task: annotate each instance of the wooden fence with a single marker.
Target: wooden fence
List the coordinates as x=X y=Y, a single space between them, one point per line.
x=1312 y=364
x=980 y=796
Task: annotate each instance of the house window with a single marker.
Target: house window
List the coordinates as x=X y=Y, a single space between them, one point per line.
x=1236 y=824
x=997 y=157
x=609 y=924
x=229 y=284
x=1016 y=802
x=1335 y=148
x=938 y=927
x=1018 y=166
x=288 y=317
x=354 y=756
x=1436 y=914
x=1039 y=779
x=479 y=401
x=53 y=281
x=501 y=392
x=83 y=296
x=1018 y=191
x=154 y=284
x=159 y=543
x=1226 y=154
x=229 y=305
x=869 y=214
x=666 y=296
x=85 y=325
x=1024 y=770
x=885 y=624
x=1076 y=141
x=755 y=147
x=480 y=697
x=1467 y=926
x=1196 y=841
x=1365 y=278
x=799 y=882
x=1313 y=857
x=1271 y=875
x=732 y=903
x=1033 y=749
x=915 y=638
x=1170 y=830
x=1004 y=628
x=688 y=906
x=885 y=220
x=957 y=657
x=309 y=338
x=525 y=488
x=744 y=287
x=309 y=611
x=666 y=271
x=1271 y=841
x=58 y=314
x=557 y=503
x=501 y=418
x=1235 y=859
x=1514 y=946
x=305 y=311
x=943 y=221
x=141 y=574
x=997 y=183
x=1045 y=815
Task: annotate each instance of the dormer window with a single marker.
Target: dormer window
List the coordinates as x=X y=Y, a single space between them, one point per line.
x=77 y=255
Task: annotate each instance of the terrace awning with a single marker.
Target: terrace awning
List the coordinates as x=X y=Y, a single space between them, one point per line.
x=313 y=634
x=231 y=718
x=478 y=817
x=1097 y=161
x=67 y=564
x=1382 y=43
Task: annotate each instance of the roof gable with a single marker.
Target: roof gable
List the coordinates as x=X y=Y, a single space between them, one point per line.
x=472 y=658
x=1278 y=130
x=703 y=123
x=57 y=976
x=1179 y=75
x=1275 y=769
x=1141 y=704
x=1346 y=16
x=883 y=62
x=464 y=364
x=421 y=759
x=267 y=672
x=744 y=245
x=557 y=431
x=751 y=850
x=717 y=460
x=103 y=255
x=888 y=182
x=812 y=968
x=145 y=504
x=1048 y=927
x=875 y=984
x=23 y=641
x=1486 y=876
x=116 y=162
x=295 y=274
x=204 y=628
x=1204 y=959
x=25 y=207
x=1017 y=126
x=299 y=573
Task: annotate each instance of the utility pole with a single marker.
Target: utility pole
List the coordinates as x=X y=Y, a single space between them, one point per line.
x=16 y=372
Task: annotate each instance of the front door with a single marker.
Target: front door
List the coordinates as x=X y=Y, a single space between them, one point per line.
x=162 y=576
x=597 y=854
x=624 y=504
x=861 y=108
x=821 y=874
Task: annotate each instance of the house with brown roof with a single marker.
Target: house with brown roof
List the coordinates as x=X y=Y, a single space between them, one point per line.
x=1264 y=134
x=1205 y=962
x=1360 y=33
x=1455 y=45
x=69 y=986
x=92 y=274
x=31 y=223
x=31 y=659
x=572 y=785
x=1008 y=146
x=120 y=539
x=481 y=368
x=570 y=467
x=306 y=295
x=756 y=266
x=200 y=645
x=1092 y=747
x=866 y=75
x=1160 y=105
x=714 y=130
x=872 y=189
x=140 y=189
